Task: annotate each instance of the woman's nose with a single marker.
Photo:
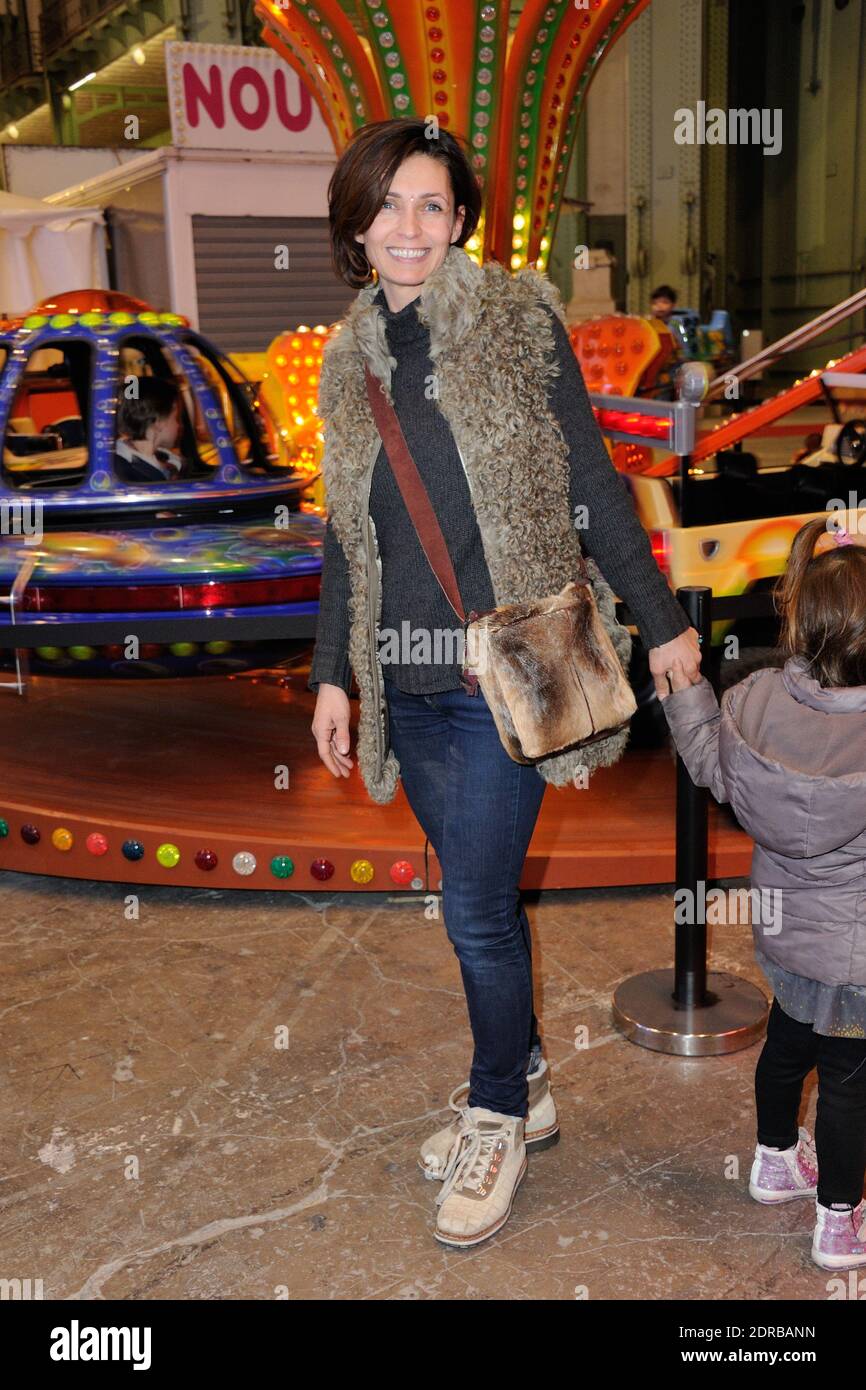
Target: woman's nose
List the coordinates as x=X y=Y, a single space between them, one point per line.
x=409 y=225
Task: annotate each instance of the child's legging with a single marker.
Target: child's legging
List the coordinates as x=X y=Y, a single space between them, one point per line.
x=790 y=1052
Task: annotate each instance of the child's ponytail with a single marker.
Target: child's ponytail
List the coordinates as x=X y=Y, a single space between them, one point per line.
x=790 y=582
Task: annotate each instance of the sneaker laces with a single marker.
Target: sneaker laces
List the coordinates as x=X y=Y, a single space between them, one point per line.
x=806 y=1150
x=470 y=1157
x=439 y=1167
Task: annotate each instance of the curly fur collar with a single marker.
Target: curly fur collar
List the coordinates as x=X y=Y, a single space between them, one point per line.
x=450 y=303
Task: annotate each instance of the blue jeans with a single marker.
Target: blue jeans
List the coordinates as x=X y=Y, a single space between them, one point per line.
x=478 y=809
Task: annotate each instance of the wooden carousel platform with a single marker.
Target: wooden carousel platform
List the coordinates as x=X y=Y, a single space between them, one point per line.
x=92 y=771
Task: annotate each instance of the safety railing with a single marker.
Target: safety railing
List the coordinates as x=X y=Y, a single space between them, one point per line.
x=14 y=600
x=688 y=1009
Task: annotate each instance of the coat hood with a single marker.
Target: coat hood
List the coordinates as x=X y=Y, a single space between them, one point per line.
x=794 y=754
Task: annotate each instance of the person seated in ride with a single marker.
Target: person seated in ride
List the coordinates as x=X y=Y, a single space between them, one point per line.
x=148 y=425
x=663 y=301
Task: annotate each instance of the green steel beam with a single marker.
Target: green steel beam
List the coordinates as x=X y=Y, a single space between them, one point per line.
x=145 y=98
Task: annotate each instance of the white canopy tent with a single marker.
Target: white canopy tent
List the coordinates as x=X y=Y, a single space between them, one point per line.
x=46 y=250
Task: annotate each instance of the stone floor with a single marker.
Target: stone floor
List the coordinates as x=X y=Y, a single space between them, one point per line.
x=223 y=1098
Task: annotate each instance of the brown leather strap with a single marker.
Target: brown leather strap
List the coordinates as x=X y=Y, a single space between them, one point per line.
x=413 y=491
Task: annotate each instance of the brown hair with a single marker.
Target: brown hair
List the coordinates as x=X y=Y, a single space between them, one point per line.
x=155 y=399
x=822 y=602
x=363 y=175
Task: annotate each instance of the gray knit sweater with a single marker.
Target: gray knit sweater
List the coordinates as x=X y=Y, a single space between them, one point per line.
x=411 y=593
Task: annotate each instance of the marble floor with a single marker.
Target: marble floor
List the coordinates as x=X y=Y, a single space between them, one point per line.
x=217 y=1095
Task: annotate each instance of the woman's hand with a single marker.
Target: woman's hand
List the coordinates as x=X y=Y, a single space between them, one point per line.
x=331 y=728
x=683 y=654
x=678 y=679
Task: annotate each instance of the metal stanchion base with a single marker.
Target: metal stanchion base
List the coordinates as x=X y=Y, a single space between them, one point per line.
x=734 y=1017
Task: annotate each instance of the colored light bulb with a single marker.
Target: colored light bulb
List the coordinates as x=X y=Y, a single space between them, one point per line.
x=361 y=871
x=402 y=872
x=168 y=855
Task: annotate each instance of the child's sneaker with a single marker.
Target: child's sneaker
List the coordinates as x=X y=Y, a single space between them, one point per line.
x=840 y=1237
x=779 y=1175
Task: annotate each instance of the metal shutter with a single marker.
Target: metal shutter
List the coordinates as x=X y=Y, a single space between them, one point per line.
x=243 y=300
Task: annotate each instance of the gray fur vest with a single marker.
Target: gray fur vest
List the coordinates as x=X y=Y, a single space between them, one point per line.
x=493 y=353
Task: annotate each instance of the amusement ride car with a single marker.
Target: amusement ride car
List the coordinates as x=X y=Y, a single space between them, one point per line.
x=228 y=530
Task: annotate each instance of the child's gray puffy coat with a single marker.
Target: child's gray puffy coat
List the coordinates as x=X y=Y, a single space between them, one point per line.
x=790 y=757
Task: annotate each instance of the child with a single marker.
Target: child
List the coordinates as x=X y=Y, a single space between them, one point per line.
x=148 y=425
x=788 y=751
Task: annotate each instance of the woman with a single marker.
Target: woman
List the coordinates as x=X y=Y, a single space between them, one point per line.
x=492 y=403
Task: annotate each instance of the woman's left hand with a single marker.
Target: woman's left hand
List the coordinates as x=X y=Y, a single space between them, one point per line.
x=684 y=650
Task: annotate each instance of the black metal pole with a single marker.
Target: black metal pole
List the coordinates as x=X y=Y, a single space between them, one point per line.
x=690 y=950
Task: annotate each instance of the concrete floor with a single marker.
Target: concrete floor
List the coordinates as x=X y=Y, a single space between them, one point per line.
x=156 y=1143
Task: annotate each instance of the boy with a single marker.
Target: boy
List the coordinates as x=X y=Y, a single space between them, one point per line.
x=148 y=426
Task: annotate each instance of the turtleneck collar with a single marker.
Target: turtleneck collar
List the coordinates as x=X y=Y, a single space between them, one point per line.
x=447 y=306
x=401 y=325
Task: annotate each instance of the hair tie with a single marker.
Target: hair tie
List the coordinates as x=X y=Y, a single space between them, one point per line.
x=829 y=539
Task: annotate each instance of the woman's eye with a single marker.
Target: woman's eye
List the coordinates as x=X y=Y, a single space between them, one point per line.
x=435 y=206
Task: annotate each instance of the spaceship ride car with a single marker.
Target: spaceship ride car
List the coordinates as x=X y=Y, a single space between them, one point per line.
x=213 y=524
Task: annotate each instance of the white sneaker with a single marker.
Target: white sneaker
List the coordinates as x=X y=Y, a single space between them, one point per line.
x=486 y=1164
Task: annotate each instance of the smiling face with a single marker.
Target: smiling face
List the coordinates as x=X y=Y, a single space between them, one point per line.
x=417 y=223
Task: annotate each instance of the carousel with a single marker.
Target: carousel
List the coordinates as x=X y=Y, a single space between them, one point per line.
x=122 y=763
